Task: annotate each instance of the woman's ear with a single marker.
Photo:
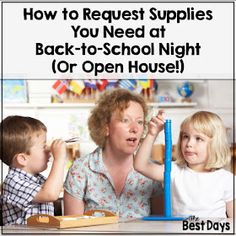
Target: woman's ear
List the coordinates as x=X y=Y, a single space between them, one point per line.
x=107 y=130
x=20 y=159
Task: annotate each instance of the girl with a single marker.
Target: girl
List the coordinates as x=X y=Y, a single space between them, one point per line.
x=200 y=185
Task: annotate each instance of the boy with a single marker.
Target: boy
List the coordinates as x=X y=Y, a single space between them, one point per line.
x=25 y=191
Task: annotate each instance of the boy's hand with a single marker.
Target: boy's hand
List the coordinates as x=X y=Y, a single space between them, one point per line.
x=156 y=124
x=51 y=189
x=58 y=149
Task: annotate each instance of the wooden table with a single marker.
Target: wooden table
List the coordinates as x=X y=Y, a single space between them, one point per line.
x=133 y=227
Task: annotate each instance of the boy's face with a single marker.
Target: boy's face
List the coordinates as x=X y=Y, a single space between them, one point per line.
x=39 y=154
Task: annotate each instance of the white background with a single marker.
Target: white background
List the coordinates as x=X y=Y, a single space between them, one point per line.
x=215 y=37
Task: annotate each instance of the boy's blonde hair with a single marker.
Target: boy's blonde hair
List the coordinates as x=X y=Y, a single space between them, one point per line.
x=212 y=126
x=108 y=103
x=16 y=136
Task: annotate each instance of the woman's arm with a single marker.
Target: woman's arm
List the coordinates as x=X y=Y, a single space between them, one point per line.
x=72 y=205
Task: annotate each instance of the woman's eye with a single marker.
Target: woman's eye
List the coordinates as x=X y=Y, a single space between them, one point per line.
x=140 y=122
x=125 y=120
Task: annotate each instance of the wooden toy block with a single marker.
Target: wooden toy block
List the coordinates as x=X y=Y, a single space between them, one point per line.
x=89 y=218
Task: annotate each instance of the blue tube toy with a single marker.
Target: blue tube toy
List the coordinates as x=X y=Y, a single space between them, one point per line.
x=167 y=180
x=167 y=169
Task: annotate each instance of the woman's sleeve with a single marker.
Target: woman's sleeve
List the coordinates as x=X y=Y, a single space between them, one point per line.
x=75 y=183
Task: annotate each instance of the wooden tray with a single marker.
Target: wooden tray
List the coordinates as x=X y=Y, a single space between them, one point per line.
x=92 y=217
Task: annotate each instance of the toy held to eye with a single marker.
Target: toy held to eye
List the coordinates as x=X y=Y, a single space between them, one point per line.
x=167 y=181
x=72 y=140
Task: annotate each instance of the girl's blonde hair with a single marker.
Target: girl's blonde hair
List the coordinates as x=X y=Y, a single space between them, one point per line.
x=108 y=103
x=212 y=126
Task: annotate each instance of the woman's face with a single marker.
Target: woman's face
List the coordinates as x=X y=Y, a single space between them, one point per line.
x=124 y=131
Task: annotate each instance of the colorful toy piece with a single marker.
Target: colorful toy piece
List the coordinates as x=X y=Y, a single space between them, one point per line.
x=167 y=180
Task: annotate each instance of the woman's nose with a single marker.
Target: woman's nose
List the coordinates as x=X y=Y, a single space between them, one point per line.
x=133 y=127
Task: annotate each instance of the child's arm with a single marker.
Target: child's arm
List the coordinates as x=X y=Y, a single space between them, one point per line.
x=141 y=161
x=52 y=187
x=229 y=209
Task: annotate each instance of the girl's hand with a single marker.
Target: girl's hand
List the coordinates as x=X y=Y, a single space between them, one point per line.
x=156 y=124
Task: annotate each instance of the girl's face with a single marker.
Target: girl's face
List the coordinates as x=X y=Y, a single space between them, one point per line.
x=124 y=131
x=194 y=147
x=39 y=154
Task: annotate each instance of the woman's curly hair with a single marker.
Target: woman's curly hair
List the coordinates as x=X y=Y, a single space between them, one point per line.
x=108 y=103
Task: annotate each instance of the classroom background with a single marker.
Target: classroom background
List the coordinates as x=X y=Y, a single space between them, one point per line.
x=64 y=106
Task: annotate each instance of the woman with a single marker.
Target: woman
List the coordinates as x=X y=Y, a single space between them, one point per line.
x=106 y=179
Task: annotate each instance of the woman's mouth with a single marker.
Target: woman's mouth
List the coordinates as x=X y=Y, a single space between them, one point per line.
x=132 y=141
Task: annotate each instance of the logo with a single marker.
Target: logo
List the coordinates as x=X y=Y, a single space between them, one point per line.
x=193 y=223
